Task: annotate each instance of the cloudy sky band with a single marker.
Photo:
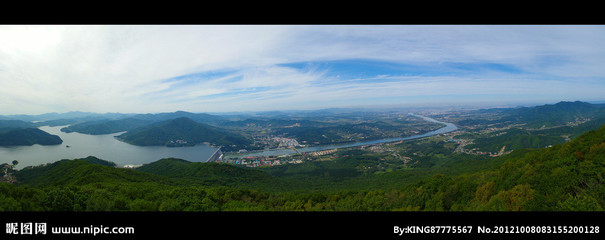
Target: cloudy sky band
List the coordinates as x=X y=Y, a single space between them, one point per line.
x=201 y=68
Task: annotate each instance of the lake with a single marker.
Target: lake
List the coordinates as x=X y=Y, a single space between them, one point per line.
x=105 y=147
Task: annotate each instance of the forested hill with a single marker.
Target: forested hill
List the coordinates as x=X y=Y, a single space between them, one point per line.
x=567 y=177
x=207 y=173
x=6 y=125
x=106 y=126
x=183 y=132
x=549 y=115
x=555 y=114
x=28 y=137
x=81 y=172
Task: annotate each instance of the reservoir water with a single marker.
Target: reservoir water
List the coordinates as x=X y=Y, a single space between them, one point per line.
x=105 y=147
x=449 y=127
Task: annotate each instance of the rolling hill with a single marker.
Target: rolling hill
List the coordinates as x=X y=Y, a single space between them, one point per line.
x=80 y=172
x=554 y=114
x=106 y=126
x=28 y=137
x=183 y=132
x=207 y=173
x=129 y=122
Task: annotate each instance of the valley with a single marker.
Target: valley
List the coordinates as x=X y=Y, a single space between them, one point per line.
x=495 y=160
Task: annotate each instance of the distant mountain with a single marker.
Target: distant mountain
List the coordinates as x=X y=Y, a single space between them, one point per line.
x=106 y=126
x=7 y=125
x=197 y=117
x=60 y=122
x=183 y=132
x=548 y=115
x=554 y=114
x=28 y=137
x=67 y=115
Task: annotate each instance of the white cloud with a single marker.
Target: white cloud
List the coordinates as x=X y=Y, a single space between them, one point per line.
x=126 y=68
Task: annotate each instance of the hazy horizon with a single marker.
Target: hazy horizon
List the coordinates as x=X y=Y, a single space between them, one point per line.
x=232 y=68
x=368 y=108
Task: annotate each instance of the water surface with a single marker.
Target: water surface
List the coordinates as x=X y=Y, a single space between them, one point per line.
x=105 y=147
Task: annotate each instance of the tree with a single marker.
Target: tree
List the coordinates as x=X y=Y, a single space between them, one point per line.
x=483 y=194
x=582 y=202
x=515 y=199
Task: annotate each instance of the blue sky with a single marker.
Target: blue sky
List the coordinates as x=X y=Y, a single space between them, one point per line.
x=216 y=68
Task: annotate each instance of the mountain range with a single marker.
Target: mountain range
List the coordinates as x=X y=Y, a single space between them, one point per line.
x=152 y=129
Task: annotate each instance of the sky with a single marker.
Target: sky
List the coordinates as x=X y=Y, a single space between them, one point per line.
x=228 y=68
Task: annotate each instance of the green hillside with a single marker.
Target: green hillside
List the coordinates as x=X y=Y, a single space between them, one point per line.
x=14 y=124
x=106 y=126
x=81 y=172
x=28 y=137
x=514 y=139
x=567 y=177
x=555 y=114
x=207 y=173
x=183 y=132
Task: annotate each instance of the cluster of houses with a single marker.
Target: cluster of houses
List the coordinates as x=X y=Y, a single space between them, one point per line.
x=286 y=142
x=258 y=161
x=177 y=142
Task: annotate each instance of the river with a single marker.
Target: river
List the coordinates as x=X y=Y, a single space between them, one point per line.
x=449 y=127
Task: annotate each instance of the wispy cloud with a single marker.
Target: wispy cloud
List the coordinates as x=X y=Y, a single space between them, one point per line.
x=233 y=68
